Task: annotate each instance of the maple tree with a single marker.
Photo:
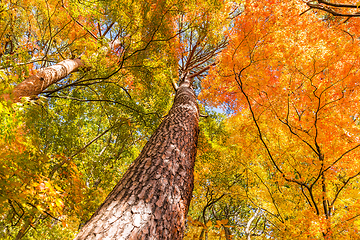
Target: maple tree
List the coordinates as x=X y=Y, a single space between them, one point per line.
x=299 y=90
x=281 y=163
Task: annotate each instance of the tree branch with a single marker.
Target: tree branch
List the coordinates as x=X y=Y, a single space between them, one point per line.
x=332 y=8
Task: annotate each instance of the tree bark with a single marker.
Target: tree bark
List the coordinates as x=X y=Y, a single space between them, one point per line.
x=152 y=199
x=34 y=85
x=45 y=77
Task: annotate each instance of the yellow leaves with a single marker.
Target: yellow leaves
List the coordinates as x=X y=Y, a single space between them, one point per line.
x=59 y=203
x=24 y=169
x=196 y=177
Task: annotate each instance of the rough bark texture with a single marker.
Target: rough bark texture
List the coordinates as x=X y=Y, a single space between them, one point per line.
x=45 y=77
x=152 y=199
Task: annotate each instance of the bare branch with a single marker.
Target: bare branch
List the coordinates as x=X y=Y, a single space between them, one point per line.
x=108 y=28
x=200 y=71
x=334 y=8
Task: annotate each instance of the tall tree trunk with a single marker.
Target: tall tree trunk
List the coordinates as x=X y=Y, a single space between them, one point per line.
x=152 y=199
x=45 y=77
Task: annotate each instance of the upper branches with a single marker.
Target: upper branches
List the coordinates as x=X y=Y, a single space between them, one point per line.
x=198 y=54
x=336 y=9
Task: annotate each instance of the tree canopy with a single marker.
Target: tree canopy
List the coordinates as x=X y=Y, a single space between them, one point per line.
x=277 y=85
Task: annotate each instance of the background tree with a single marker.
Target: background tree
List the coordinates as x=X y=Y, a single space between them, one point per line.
x=295 y=87
x=64 y=128
x=221 y=207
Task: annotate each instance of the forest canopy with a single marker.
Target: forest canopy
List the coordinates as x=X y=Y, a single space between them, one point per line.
x=85 y=85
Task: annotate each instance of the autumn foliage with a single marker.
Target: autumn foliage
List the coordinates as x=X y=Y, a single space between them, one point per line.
x=280 y=159
x=292 y=82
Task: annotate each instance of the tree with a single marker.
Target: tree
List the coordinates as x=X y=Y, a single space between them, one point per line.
x=221 y=207
x=281 y=164
x=152 y=199
x=195 y=65
x=295 y=87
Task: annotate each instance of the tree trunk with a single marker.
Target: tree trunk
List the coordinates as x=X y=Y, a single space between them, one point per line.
x=152 y=199
x=248 y=229
x=34 y=85
x=23 y=230
x=45 y=77
x=227 y=233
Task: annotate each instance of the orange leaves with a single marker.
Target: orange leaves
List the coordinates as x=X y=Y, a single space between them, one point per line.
x=296 y=78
